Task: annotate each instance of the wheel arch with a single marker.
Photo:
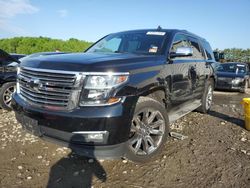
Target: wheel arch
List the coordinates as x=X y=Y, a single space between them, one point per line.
x=160 y=94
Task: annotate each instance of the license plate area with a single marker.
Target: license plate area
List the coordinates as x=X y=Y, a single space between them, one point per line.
x=31 y=125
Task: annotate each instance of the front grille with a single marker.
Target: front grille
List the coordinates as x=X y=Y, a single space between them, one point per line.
x=48 y=88
x=225 y=79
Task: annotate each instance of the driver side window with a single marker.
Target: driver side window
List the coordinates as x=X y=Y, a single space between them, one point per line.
x=180 y=41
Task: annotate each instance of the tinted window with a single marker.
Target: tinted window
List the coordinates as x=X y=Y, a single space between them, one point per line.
x=197 y=52
x=112 y=45
x=180 y=41
x=208 y=50
x=235 y=68
x=135 y=42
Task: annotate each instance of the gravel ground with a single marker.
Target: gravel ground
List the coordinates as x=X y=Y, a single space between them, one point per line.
x=216 y=153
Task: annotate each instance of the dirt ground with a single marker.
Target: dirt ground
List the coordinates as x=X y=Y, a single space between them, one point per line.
x=215 y=154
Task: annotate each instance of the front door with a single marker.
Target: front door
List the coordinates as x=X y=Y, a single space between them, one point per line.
x=184 y=73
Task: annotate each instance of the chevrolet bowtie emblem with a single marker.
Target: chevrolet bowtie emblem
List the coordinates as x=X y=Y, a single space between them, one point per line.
x=34 y=84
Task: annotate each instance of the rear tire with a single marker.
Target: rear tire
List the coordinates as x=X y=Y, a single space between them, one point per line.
x=6 y=95
x=207 y=98
x=149 y=130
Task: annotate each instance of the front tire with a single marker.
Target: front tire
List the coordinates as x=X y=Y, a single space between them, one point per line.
x=207 y=98
x=149 y=130
x=6 y=95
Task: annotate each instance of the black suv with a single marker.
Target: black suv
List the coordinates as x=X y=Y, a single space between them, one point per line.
x=8 y=66
x=118 y=98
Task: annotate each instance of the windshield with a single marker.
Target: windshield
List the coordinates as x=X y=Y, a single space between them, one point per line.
x=234 y=68
x=137 y=42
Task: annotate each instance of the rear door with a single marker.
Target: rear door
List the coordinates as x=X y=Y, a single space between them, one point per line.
x=211 y=64
x=197 y=77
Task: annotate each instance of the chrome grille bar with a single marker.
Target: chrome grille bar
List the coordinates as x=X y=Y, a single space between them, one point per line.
x=51 y=89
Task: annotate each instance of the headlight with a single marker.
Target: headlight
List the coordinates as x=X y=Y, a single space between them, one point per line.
x=237 y=80
x=99 y=89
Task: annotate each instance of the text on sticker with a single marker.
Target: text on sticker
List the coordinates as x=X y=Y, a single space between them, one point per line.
x=156 y=33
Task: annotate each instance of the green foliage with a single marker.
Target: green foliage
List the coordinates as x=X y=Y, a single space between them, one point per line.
x=29 y=45
x=237 y=55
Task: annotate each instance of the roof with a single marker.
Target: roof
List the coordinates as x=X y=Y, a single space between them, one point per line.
x=173 y=31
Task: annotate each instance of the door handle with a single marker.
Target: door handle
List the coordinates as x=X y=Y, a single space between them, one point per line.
x=207 y=64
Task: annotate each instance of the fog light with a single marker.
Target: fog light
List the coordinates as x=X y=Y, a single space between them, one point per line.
x=92 y=136
x=95 y=136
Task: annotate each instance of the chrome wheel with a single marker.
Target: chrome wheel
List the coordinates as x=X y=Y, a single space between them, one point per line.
x=209 y=98
x=7 y=95
x=147 y=131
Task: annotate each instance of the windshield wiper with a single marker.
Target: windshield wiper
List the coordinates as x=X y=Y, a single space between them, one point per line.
x=121 y=52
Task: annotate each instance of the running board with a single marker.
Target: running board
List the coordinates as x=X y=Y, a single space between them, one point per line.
x=182 y=110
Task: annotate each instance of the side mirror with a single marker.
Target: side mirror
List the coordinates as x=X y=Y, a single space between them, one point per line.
x=182 y=52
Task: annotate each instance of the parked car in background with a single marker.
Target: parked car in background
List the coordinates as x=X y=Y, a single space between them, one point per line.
x=233 y=76
x=118 y=98
x=8 y=68
x=17 y=56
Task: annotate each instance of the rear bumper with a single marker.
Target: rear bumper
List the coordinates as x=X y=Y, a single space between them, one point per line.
x=71 y=128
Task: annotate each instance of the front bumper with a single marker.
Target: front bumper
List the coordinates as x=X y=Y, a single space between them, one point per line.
x=70 y=128
x=228 y=85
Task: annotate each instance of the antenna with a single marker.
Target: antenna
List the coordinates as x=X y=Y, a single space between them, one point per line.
x=159 y=28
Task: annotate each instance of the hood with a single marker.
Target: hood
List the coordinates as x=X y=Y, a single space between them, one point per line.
x=93 y=62
x=230 y=74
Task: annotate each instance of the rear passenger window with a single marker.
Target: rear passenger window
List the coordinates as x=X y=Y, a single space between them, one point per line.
x=197 y=52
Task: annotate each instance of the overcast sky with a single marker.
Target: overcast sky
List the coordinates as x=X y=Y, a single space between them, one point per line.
x=224 y=23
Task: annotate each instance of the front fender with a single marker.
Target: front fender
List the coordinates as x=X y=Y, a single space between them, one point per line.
x=143 y=81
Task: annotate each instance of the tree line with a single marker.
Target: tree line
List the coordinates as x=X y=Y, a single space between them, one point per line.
x=237 y=55
x=29 y=45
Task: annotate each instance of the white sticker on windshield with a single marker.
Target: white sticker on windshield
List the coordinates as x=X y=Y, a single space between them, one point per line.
x=153 y=49
x=156 y=33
